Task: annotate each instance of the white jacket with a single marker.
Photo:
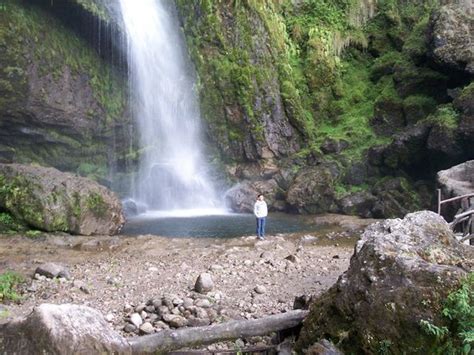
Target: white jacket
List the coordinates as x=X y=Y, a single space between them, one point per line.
x=260 y=209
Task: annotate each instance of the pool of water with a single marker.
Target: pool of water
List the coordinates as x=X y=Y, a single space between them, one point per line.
x=225 y=225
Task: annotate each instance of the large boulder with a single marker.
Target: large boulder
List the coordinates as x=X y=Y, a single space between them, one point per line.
x=396 y=197
x=451 y=40
x=241 y=197
x=399 y=275
x=50 y=200
x=313 y=191
x=400 y=153
x=457 y=180
x=358 y=203
x=61 y=329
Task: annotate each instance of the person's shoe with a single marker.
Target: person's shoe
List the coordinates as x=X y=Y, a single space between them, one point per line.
x=260 y=238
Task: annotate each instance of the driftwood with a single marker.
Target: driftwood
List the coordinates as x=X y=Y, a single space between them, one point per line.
x=167 y=340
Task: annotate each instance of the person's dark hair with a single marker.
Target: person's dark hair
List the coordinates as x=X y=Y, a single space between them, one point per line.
x=259 y=195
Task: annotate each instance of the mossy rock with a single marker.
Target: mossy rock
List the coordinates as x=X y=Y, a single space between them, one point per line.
x=49 y=200
x=399 y=277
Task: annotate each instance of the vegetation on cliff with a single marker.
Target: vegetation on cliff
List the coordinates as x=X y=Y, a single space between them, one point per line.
x=354 y=78
x=54 y=82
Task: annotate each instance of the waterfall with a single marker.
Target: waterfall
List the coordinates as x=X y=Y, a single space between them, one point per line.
x=172 y=173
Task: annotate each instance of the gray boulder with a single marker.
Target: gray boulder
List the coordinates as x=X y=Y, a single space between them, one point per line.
x=242 y=196
x=50 y=200
x=451 y=40
x=400 y=274
x=204 y=283
x=358 y=203
x=53 y=270
x=61 y=329
x=457 y=180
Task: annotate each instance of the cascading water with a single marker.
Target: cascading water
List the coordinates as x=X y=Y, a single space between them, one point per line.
x=172 y=173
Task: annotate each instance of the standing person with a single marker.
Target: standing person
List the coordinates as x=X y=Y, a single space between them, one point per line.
x=260 y=211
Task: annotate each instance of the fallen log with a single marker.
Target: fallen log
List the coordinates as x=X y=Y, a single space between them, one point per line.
x=167 y=340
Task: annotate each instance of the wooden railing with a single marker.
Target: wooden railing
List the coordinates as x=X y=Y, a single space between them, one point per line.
x=464 y=215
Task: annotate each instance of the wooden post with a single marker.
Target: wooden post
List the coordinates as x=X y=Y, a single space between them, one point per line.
x=439 y=201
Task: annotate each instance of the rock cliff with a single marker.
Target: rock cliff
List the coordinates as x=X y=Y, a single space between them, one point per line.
x=378 y=91
x=61 y=104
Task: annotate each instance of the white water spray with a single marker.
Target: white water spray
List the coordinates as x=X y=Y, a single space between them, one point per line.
x=172 y=173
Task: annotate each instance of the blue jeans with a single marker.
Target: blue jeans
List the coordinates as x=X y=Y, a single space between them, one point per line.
x=261 y=227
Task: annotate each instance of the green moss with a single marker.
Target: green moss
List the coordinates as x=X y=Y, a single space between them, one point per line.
x=16 y=196
x=33 y=233
x=92 y=171
x=31 y=34
x=445 y=116
x=76 y=205
x=96 y=7
x=8 y=224
x=96 y=204
x=9 y=282
x=353 y=110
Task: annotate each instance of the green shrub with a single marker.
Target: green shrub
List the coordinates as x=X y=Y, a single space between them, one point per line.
x=9 y=282
x=445 y=116
x=456 y=336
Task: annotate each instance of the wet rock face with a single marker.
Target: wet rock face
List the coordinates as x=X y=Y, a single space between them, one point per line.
x=62 y=329
x=458 y=180
x=60 y=102
x=241 y=198
x=398 y=265
x=246 y=116
x=50 y=200
x=451 y=37
x=313 y=190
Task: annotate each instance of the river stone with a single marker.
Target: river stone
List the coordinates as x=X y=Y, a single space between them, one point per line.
x=260 y=289
x=61 y=329
x=129 y=328
x=147 y=328
x=55 y=201
x=136 y=320
x=398 y=265
x=204 y=283
x=53 y=270
x=175 y=321
x=203 y=303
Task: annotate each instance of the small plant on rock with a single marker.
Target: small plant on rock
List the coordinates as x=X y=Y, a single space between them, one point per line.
x=457 y=335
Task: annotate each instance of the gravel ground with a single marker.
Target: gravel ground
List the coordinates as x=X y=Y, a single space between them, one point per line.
x=116 y=274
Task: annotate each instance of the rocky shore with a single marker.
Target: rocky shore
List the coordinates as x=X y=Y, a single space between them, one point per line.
x=147 y=283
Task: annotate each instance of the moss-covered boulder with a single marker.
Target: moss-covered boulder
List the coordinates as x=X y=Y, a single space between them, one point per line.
x=400 y=274
x=50 y=200
x=313 y=190
x=396 y=196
